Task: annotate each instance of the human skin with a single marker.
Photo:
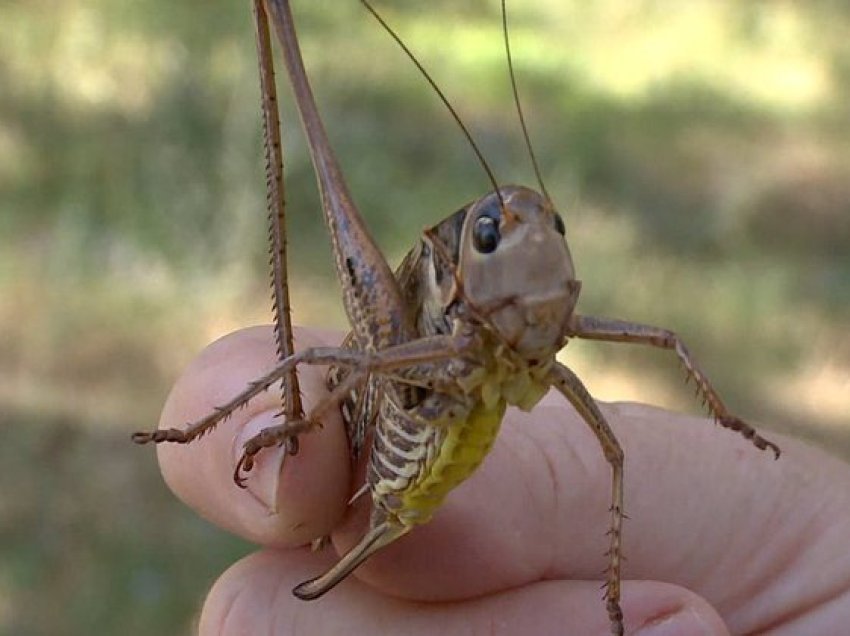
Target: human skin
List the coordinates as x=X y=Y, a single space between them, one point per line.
x=720 y=538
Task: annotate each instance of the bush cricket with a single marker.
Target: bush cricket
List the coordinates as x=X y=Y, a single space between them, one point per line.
x=469 y=324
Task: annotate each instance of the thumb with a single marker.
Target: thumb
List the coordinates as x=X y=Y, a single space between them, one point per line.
x=290 y=499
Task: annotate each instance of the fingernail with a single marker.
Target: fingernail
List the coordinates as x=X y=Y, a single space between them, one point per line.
x=263 y=480
x=685 y=622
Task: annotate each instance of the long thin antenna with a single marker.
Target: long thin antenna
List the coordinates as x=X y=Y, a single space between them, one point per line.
x=519 y=104
x=442 y=97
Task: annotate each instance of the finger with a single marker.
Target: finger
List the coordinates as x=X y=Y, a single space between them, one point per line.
x=702 y=503
x=253 y=597
x=289 y=499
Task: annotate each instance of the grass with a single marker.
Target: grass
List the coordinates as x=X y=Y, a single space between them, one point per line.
x=699 y=152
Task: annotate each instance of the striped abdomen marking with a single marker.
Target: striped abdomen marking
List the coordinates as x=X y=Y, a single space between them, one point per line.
x=414 y=465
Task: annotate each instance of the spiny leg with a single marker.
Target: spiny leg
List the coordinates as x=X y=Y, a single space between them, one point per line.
x=291 y=395
x=291 y=428
x=409 y=354
x=196 y=429
x=611 y=330
x=571 y=387
x=276 y=435
x=371 y=295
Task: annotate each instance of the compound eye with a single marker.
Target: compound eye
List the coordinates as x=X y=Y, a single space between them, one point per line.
x=485 y=234
x=559 y=225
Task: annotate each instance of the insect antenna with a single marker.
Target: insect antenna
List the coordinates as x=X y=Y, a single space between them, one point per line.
x=442 y=97
x=519 y=104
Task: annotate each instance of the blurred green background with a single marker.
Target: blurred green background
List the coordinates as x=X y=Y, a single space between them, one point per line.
x=700 y=152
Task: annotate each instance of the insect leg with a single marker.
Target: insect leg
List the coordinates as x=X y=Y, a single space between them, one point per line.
x=386 y=527
x=377 y=538
x=290 y=429
x=611 y=330
x=400 y=356
x=371 y=295
x=196 y=429
x=291 y=395
x=572 y=388
x=362 y=364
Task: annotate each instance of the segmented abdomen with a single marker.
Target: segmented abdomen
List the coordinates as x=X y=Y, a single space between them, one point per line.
x=414 y=464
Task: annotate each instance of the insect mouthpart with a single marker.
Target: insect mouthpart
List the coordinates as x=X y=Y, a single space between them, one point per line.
x=534 y=326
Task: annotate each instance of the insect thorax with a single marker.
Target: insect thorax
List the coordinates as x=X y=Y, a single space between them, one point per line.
x=420 y=454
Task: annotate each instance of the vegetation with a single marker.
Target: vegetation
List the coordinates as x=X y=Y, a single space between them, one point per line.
x=700 y=153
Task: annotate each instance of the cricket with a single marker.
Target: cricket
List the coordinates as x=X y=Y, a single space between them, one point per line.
x=468 y=324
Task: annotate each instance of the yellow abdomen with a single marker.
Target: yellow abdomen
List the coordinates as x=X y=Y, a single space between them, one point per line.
x=464 y=447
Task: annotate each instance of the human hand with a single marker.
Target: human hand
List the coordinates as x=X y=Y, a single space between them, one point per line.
x=720 y=537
